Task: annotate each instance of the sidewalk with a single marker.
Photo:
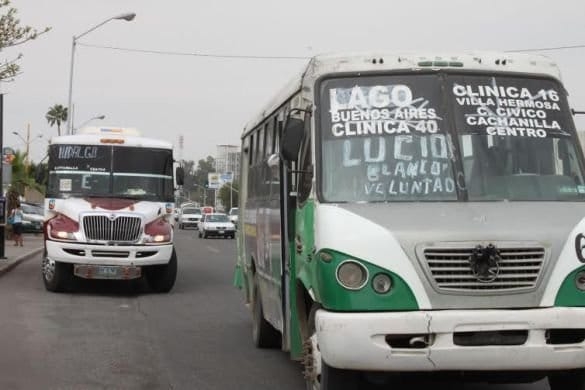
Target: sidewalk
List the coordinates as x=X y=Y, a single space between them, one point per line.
x=33 y=246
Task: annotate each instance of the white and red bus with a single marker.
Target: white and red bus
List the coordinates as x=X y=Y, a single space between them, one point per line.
x=108 y=208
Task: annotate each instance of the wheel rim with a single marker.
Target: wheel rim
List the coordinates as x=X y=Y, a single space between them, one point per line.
x=48 y=269
x=312 y=363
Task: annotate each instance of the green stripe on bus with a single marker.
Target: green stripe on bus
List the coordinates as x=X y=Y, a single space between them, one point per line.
x=334 y=296
x=569 y=294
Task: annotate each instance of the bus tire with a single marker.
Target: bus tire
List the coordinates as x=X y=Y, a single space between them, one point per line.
x=161 y=278
x=336 y=379
x=263 y=333
x=57 y=276
x=329 y=378
x=567 y=380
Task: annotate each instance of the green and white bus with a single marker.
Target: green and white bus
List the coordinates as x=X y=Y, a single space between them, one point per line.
x=407 y=214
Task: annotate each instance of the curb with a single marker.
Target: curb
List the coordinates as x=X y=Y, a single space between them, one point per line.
x=19 y=260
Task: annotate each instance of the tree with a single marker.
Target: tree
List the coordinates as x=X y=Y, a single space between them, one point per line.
x=23 y=176
x=57 y=115
x=21 y=179
x=204 y=167
x=12 y=33
x=224 y=195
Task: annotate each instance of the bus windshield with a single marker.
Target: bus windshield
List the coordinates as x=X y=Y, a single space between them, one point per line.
x=110 y=171
x=448 y=138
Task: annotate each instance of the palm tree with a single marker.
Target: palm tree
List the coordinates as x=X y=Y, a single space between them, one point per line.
x=56 y=115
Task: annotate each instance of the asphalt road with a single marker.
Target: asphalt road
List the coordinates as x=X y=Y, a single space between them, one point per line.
x=119 y=335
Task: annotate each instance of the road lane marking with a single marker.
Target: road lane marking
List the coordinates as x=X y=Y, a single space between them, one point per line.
x=212 y=249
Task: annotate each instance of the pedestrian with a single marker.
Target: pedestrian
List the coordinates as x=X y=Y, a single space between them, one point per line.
x=17 y=215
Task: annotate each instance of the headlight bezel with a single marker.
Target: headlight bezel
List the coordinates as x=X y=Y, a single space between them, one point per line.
x=363 y=268
x=390 y=283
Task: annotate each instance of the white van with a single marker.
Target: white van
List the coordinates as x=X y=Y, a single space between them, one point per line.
x=189 y=216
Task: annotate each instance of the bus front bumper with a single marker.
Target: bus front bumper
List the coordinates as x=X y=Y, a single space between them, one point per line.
x=460 y=340
x=80 y=253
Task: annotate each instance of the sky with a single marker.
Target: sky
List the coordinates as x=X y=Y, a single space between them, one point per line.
x=209 y=100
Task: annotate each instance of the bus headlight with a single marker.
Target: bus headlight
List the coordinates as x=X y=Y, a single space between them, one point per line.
x=62 y=228
x=158 y=232
x=352 y=275
x=580 y=280
x=381 y=283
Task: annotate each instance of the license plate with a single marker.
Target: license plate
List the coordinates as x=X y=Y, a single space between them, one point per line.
x=221 y=231
x=87 y=271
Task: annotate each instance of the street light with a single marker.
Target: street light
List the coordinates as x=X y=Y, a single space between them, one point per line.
x=127 y=17
x=27 y=142
x=100 y=117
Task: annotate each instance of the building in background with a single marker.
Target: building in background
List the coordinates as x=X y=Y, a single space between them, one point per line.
x=227 y=159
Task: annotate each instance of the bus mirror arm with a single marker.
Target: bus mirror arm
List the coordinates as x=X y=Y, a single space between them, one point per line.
x=274 y=162
x=574 y=112
x=40 y=174
x=309 y=171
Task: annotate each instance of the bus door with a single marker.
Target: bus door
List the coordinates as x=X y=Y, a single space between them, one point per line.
x=295 y=174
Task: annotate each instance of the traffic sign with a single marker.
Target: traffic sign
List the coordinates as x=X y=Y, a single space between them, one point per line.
x=227 y=177
x=214 y=180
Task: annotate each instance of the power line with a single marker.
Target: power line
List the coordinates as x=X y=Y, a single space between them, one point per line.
x=193 y=54
x=549 y=48
x=263 y=57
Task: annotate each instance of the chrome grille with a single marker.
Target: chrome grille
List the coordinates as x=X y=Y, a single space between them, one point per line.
x=519 y=269
x=120 y=229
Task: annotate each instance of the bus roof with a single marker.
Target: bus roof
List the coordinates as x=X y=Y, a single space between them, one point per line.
x=379 y=61
x=109 y=130
x=111 y=139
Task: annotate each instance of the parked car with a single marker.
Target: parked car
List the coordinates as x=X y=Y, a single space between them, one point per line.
x=233 y=215
x=33 y=218
x=189 y=217
x=216 y=224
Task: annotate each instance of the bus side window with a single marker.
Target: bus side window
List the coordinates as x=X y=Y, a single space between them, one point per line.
x=269 y=137
x=278 y=133
x=260 y=149
x=251 y=150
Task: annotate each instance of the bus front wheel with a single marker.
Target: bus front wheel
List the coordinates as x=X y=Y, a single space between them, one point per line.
x=161 y=278
x=318 y=374
x=263 y=333
x=56 y=275
x=567 y=380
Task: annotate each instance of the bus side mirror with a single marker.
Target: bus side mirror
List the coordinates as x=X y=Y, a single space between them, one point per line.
x=292 y=138
x=180 y=175
x=40 y=175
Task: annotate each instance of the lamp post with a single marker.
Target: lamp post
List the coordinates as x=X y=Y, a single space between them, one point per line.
x=232 y=189
x=127 y=17
x=100 y=117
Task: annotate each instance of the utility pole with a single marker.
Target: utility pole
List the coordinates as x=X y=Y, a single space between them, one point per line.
x=27 y=142
x=27 y=160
